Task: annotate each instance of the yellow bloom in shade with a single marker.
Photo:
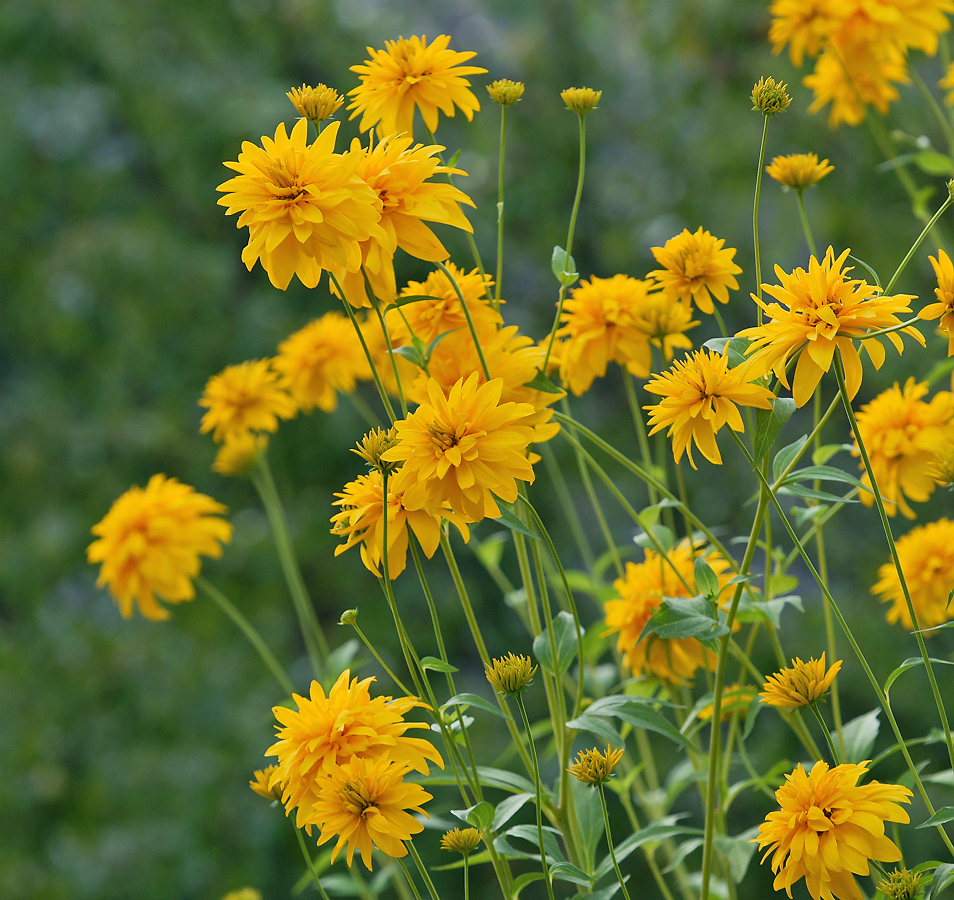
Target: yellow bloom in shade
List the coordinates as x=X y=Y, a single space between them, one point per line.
x=641 y=591
x=595 y=766
x=735 y=699
x=699 y=396
x=150 y=541
x=829 y=827
x=696 y=268
x=904 y=436
x=798 y=170
x=802 y=684
x=581 y=100
x=315 y=103
x=239 y=453
x=366 y=803
x=262 y=783
x=326 y=732
x=320 y=360
x=245 y=398
x=805 y=25
x=399 y=174
x=927 y=560
x=944 y=308
x=461 y=448
x=601 y=324
x=409 y=73
x=461 y=840
x=305 y=206
x=822 y=310
x=361 y=521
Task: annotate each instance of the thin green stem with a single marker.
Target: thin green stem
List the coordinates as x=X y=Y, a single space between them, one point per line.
x=422 y=869
x=609 y=840
x=249 y=630
x=934 y=106
x=924 y=233
x=755 y=222
x=466 y=864
x=410 y=880
x=467 y=316
x=569 y=509
x=364 y=640
x=311 y=864
x=641 y=436
x=832 y=749
x=391 y=356
x=800 y=197
x=500 y=204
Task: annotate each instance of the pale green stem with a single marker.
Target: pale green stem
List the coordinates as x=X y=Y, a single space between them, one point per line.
x=410 y=880
x=755 y=224
x=835 y=758
x=249 y=630
x=934 y=106
x=924 y=233
x=609 y=840
x=800 y=196
x=422 y=869
x=718 y=318
x=641 y=436
x=466 y=865
x=364 y=640
x=569 y=509
x=500 y=204
x=467 y=316
x=391 y=356
x=311 y=865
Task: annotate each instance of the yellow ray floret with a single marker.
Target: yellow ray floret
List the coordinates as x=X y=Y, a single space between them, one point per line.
x=799 y=685
x=798 y=170
x=695 y=268
x=943 y=309
x=245 y=398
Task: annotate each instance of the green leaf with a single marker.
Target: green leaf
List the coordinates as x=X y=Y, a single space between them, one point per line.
x=651 y=834
x=865 y=266
x=941 y=370
x=480 y=815
x=768 y=423
x=589 y=814
x=343 y=657
x=682 y=851
x=564 y=637
x=598 y=726
x=933 y=163
x=943 y=878
x=635 y=713
x=563 y=267
x=945 y=814
x=736 y=348
x=822 y=473
x=860 y=735
x=908 y=664
x=796 y=490
x=540 y=382
x=438 y=665
x=767 y=610
x=529 y=833
x=466 y=700
x=706 y=580
x=803 y=514
x=656 y=537
x=508 y=781
x=521 y=881
x=738 y=851
x=509 y=807
x=452 y=162
x=785 y=456
x=568 y=872
x=490 y=550
x=685 y=617
x=412 y=354
x=509 y=518
x=413 y=298
x=433 y=344
x=826 y=452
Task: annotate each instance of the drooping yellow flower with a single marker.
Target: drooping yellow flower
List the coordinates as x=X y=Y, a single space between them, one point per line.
x=927 y=560
x=696 y=268
x=829 y=827
x=315 y=103
x=798 y=170
x=361 y=521
x=262 y=783
x=319 y=360
x=239 y=452
x=461 y=448
x=641 y=592
x=400 y=176
x=150 y=542
x=366 y=803
x=903 y=436
x=305 y=207
x=805 y=25
x=800 y=685
x=601 y=324
x=245 y=398
x=699 y=396
x=595 y=766
x=944 y=308
x=735 y=699
x=822 y=310
x=328 y=731
x=409 y=73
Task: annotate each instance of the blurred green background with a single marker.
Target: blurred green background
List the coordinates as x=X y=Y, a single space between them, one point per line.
x=126 y=746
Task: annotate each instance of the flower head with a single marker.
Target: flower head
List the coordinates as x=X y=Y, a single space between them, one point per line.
x=805 y=25
x=373 y=444
x=409 y=73
x=264 y=783
x=245 y=398
x=461 y=448
x=510 y=674
x=802 y=684
x=819 y=311
x=696 y=268
x=305 y=207
x=770 y=97
x=150 y=542
x=366 y=803
x=699 y=396
x=326 y=732
x=641 y=591
x=798 y=170
x=828 y=828
x=927 y=560
x=901 y=885
x=320 y=360
x=239 y=453
x=505 y=92
x=665 y=319
x=461 y=840
x=581 y=100
x=943 y=309
x=315 y=103
x=595 y=766
x=735 y=699
x=904 y=436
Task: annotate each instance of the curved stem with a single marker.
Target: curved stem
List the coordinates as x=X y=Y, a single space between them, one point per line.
x=800 y=196
x=934 y=106
x=755 y=219
x=410 y=880
x=835 y=758
x=609 y=840
x=467 y=316
x=924 y=233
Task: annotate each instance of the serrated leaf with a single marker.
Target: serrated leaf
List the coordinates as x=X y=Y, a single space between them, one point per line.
x=540 y=382
x=412 y=354
x=860 y=735
x=563 y=267
x=684 y=617
x=508 y=808
x=768 y=423
x=908 y=664
x=945 y=814
x=475 y=701
x=480 y=815
x=564 y=637
x=785 y=456
x=651 y=834
x=437 y=665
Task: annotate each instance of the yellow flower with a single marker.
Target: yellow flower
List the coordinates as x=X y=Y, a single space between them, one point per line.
x=828 y=828
x=805 y=25
x=315 y=103
x=944 y=308
x=798 y=170
x=696 y=268
x=462 y=448
x=150 y=542
x=581 y=100
x=927 y=560
x=664 y=318
x=305 y=207
x=398 y=173
x=735 y=699
x=347 y=724
x=364 y=803
x=246 y=893
x=904 y=436
x=640 y=593
x=245 y=398
x=901 y=885
x=319 y=360
x=802 y=684
x=410 y=73
x=595 y=766
x=264 y=783
x=912 y=24
x=361 y=521
x=505 y=92
x=699 y=396
x=510 y=674
x=821 y=310
x=239 y=453
x=770 y=97
x=601 y=324
x=461 y=840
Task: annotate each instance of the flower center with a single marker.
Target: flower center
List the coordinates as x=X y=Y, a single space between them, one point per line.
x=444 y=439
x=356 y=799
x=693 y=266
x=289 y=189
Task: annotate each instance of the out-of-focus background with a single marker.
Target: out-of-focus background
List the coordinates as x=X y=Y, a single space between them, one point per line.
x=126 y=746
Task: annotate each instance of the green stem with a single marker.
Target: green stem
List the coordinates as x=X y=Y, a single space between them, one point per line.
x=800 y=196
x=641 y=436
x=924 y=233
x=467 y=316
x=466 y=865
x=755 y=221
x=422 y=869
x=311 y=865
x=410 y=880
x=569 y=509
x=391 y=356
x=500 y=204
x=249 y=630
x=400 y=684
x=835 y=758
x=609 y=840
x=363 y=410
x=935 y=108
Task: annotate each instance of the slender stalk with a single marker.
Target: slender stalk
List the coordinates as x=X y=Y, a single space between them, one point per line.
x=835 y=758
x=311 y=864
x=466 y=864
x=800 y=196
x=934 y=106
x=609 y=840
x=410 y=880
x=467 y=316
x=364 y=640
x=249 y=630
x=500 y=207
x=569 y=509
x=924 y=233
x=363 y=410
x=755 y=221
x=641 y=436
x=391 y=356
x=422 y=869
